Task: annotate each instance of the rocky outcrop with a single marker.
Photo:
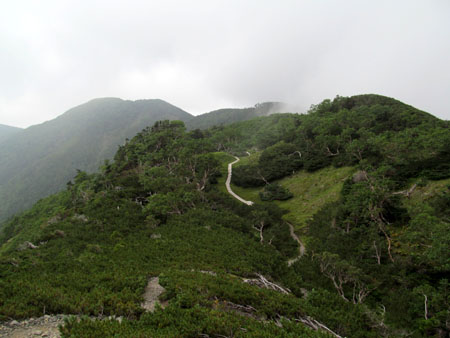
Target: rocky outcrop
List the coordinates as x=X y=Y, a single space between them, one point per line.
x=152 y=293
x=26 y=245
x=46 y=326
x=360 y=176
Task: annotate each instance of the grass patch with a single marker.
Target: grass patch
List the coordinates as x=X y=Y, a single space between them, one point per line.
x=422 y=194
x=249 y=160
x=311 y=192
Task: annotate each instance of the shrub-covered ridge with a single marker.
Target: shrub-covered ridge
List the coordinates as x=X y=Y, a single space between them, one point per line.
x=376 y=261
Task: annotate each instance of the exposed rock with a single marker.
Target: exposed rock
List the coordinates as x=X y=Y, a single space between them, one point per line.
x=212 y=273
x=304 y=292
x=360 y=176
x=46 y=326
x=152 y=293
x=54 y=219
x=80 y=217
x=60 y=233
x=155 y=236
x=26 y=245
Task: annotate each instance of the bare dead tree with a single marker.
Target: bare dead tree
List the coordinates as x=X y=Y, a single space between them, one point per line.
x=262 y=282
x=315 y=325
x=260 y=230
x=425 y=306
x=377 y=253
x=341 y=274
x=262 y=177
x=406 y=192
x=296 y=152
x=330 y=153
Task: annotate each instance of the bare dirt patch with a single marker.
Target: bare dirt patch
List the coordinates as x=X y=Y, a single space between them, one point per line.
x=151 y=294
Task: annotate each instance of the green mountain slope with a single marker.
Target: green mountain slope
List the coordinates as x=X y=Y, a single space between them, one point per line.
x=230 y=115
x=7 y=131
x=40 y=160
x=369 y=178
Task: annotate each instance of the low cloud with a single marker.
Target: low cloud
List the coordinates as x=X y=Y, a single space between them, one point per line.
x=204 y=55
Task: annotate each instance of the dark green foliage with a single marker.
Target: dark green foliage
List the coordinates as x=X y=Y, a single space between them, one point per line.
x=259 y=133
x=39 y=160
x=275 y=191
x=191 y=322
x=366 y=129
x=247 y=176
x=280 y=160
x=369 y=241
x=227 y=116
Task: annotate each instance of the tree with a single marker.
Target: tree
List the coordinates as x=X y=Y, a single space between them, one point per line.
x=341 y=273
x=275 y=191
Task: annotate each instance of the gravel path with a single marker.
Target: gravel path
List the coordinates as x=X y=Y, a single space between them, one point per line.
x=227 y=183
x=301 y=247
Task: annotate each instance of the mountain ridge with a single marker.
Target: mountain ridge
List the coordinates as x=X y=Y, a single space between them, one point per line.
x=378 y=239
x=230 y=115
x=7 y=131
x=81 y=138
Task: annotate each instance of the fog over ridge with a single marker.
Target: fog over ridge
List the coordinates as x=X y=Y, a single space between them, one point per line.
x=206 y=55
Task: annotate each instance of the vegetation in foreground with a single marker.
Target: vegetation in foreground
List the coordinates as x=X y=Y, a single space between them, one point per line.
x=377 y=258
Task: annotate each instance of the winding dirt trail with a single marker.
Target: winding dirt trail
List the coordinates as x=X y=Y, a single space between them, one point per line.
x=301 y=247
x=227 y=183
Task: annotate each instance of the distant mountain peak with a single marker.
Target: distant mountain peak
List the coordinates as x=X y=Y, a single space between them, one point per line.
x=7 y=131
x=40 y=160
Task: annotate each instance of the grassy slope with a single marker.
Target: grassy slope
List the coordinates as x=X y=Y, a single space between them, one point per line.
x=422 y=193
x=312 y=191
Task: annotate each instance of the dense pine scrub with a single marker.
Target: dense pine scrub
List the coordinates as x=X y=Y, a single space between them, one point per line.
x=377 y=252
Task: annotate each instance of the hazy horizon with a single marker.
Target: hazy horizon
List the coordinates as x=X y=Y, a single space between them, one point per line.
x=206 y=55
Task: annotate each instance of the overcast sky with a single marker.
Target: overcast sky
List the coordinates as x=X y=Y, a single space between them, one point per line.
x=205 y=55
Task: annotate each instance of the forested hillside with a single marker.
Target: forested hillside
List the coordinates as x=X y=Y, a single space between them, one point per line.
x=7 y=131
x=231 y=115
x=40 y=160
x=376 y=256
